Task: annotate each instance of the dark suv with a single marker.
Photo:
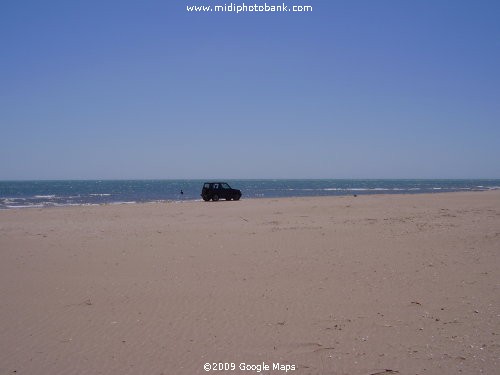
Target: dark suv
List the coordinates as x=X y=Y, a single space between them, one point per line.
x=217 y=190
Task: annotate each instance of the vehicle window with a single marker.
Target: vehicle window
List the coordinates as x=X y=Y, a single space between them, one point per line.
x=226 y=186
x=206 y=186
x=216 y=186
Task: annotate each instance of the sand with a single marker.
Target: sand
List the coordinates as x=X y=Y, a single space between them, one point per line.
x=386 y=284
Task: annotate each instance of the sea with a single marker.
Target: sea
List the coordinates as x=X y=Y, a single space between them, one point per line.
x=32 y=194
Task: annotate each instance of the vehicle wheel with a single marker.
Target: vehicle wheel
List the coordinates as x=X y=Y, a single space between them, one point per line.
x=215 y=198
x=237 y=197
x=206 y=199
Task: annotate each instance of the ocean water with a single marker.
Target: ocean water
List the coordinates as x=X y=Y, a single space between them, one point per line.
x=24 y=194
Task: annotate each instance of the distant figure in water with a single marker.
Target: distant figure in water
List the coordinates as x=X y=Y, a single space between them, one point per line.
x=182 y=193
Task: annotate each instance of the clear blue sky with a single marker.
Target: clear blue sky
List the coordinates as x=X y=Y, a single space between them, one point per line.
x=145 y=89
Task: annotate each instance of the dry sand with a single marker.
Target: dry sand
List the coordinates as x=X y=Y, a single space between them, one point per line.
x=334 y=285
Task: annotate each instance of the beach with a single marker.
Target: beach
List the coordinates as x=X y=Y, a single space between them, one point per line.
x=373 y=284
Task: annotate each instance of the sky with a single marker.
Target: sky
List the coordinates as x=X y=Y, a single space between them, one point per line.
x=145 y=89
